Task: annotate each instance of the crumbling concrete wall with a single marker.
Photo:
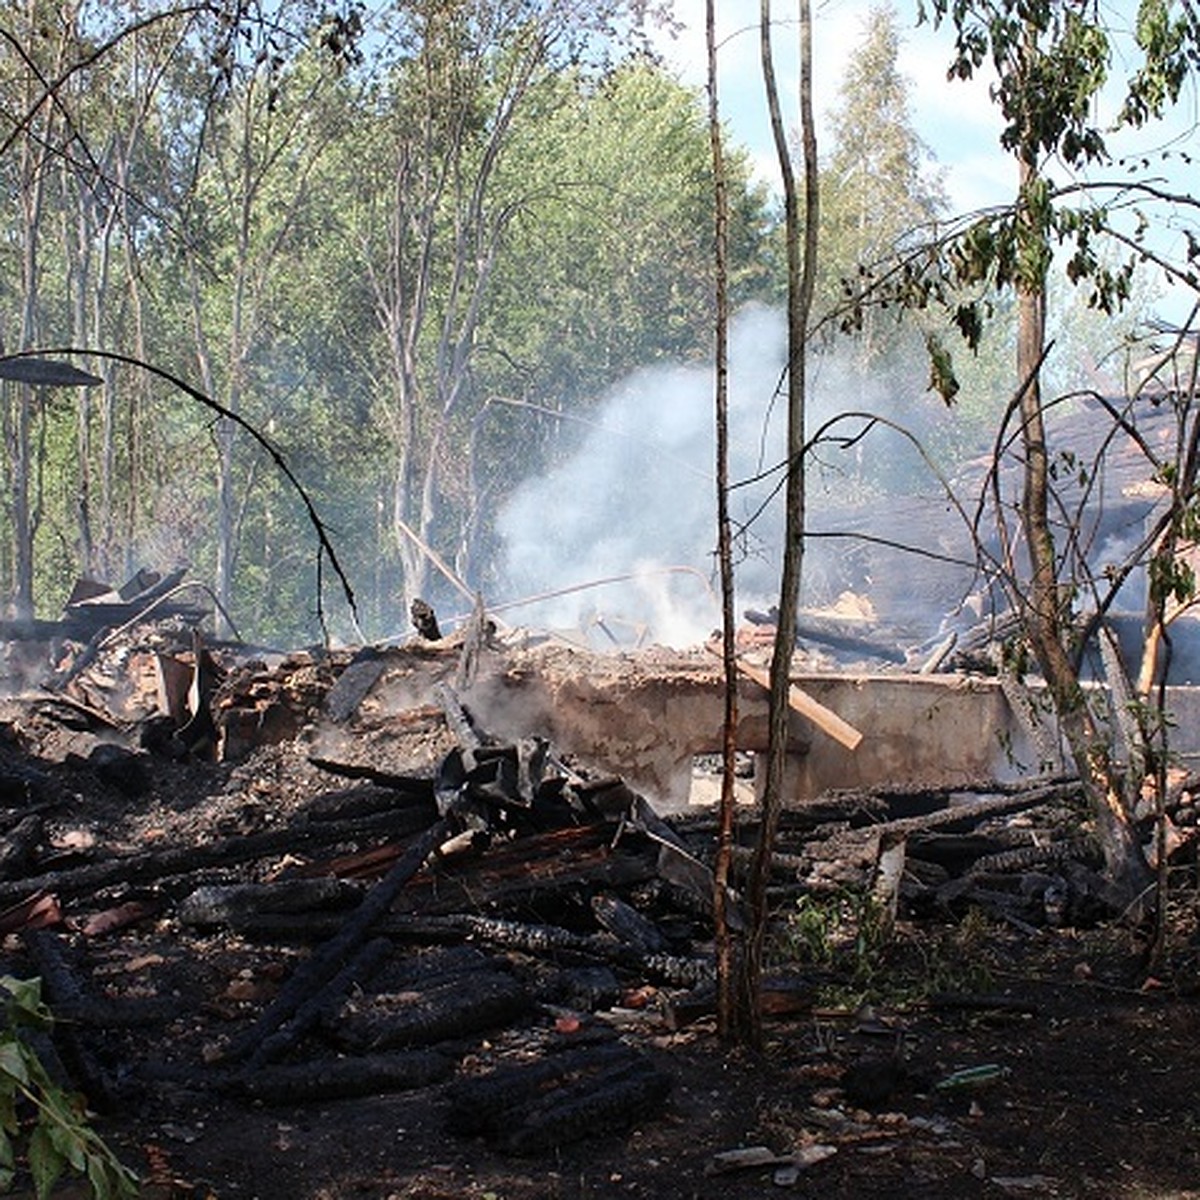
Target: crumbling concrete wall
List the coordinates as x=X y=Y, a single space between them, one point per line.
x=647 y=720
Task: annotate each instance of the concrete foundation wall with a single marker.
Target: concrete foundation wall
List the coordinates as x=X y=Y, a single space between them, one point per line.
x=917 y=730
x=649 y=726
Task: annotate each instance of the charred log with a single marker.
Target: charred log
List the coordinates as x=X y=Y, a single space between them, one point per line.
x=453 y=1008
x=66 y=995
x=333 y=955
x=322 y=1004
x=480 y=1107
x=554 y=940
x=562 y=1099
x=340 y=1078
x=214 y=905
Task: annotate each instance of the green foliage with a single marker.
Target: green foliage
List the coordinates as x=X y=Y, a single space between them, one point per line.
x=1052 y=64
x=57 y=1138
x=845 y=935
x=1168 y=43
x=846 y=931
x=953 y=958
x=941 y=369
x=877 y=188
x=269 y=195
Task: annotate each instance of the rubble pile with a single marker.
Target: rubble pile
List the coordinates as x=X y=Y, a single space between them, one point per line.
x=321 y=877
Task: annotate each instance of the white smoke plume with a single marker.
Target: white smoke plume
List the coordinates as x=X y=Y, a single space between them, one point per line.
x=638 y=497
x=636 y=503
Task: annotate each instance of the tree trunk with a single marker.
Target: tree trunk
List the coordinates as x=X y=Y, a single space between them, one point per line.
x=730 y=1019
x=34 y=155
x=801 y=276
x=1046 y=611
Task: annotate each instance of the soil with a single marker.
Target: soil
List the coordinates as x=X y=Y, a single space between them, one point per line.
x=1072 y=1075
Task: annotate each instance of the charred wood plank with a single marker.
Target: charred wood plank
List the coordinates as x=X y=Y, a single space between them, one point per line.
x=334 y=954
x=184 y=860
x=340 y=1078
x=628 y=925
x=353 y=684
x=585 y=988
x=527 y=867
x=1024 y=858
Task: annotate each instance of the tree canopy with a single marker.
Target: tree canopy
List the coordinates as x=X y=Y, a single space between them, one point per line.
x=405 y=254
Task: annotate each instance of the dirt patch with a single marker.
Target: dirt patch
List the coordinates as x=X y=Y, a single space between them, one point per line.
x=967 y=1057
x=1088 y=1093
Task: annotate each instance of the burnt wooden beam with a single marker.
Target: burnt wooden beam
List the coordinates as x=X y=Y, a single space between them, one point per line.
x=559 y=1099
x=321 y=1004
x=174 y=861
x=67 y=998
x=326 y=961
x=442 y=1010
x=552 y=940
x=327 y=1079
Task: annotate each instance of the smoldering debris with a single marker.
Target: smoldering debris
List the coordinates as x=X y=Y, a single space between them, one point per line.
x=323 y=918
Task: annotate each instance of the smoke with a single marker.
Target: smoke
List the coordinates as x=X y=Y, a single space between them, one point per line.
x=635 y=504
x=638 y=497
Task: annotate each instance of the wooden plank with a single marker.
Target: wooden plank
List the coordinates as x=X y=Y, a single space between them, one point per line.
x=808 y=706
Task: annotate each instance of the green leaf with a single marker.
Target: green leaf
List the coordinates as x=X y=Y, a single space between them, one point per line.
x=45 y=1162
x=110 y=1180
x=24 y=1005
x=941 y=369
x=70 y=1142
x=26 y=994
x=13 y=1062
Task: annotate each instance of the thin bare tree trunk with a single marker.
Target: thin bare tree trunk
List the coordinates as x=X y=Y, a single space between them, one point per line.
x=801 y=278
x=1045 y=608
x=730 y=1019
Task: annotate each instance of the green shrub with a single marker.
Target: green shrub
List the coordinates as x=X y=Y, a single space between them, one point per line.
x=49 y=1125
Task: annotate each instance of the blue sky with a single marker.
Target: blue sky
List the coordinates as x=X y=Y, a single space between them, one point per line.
x=955 y=119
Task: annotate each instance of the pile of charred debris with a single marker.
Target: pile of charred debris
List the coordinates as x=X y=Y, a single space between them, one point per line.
x=269 y=881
